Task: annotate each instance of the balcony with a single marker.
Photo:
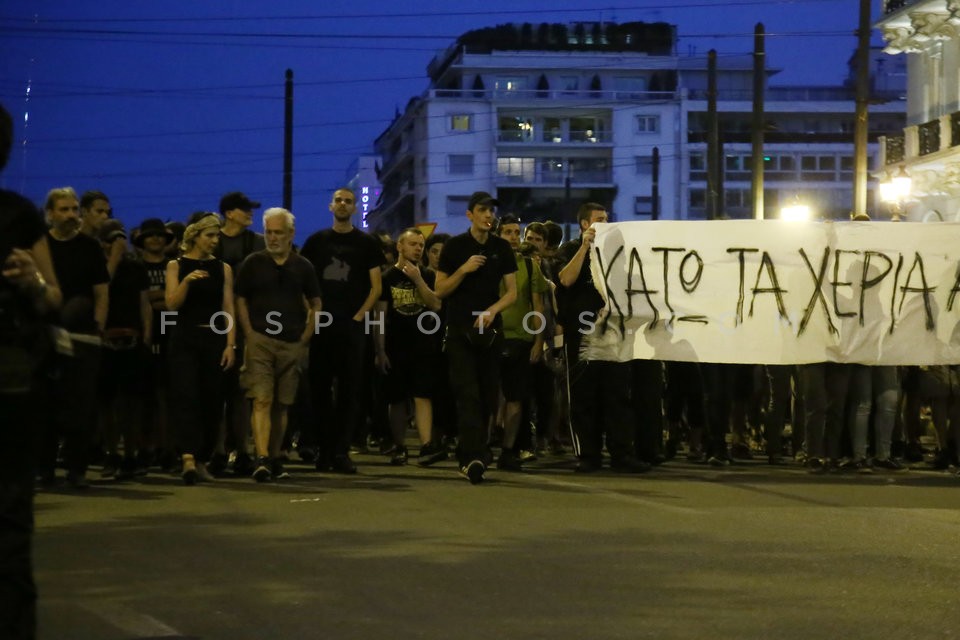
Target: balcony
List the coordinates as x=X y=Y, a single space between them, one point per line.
x=557 y=178
x=928 y=135
x=526 y=136
x=533 y=95
x=895 y=149
x=892 y=6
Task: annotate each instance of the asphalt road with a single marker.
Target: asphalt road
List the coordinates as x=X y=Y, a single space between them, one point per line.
x=683 y=552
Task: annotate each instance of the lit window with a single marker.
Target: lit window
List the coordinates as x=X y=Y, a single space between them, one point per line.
x=460 y=122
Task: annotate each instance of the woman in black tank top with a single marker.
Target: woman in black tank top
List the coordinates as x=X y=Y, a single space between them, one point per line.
x=202 y=342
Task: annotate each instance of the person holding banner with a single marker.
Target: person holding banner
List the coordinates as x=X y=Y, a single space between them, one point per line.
x=594 y=384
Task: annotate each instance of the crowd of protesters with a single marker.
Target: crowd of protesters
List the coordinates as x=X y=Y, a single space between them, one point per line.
x=203 y=348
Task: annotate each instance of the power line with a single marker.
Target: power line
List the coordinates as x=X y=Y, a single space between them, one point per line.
x=432 y=14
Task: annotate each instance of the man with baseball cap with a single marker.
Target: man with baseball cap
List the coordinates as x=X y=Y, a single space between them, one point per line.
x=473 y=266
x=237 y=241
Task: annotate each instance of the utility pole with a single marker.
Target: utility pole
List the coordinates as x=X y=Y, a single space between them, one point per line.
x=288 y=142
x=713 y=139
x=759 y=71
x=655 y=186
x=860 y=126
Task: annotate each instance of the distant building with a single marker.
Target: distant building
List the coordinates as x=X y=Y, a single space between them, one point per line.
x=928 y=148
x=362 y=178
x=548 y=116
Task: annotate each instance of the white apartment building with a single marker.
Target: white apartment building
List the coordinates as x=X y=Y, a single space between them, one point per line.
x=928 y=150
x=549 y=117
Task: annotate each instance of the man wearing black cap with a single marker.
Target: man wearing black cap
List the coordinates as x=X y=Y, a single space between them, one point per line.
x=237 y=241
x=153 y=240
x=473 y=265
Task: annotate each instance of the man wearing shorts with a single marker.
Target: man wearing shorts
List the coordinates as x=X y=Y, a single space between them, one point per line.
x=275 y=287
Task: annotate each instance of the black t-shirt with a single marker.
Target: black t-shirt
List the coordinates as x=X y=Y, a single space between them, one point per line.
x=404 y=308
x=278 y=290
x=480 y=289
x=582 y=295
x=79 y=264
x=157 y=276
x=233 y=249
x=21 y=226
x=128 y=281
x=343 y=262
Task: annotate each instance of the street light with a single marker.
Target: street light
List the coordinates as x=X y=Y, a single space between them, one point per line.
x=895 y=192
x=795 y=211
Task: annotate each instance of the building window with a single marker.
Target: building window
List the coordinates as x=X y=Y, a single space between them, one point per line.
x=460 y=164
x=630 y=88
x=648 y=124
x=461 y=122
x=644 y=166
x=698 y=199
x=457 y=205
x=510 y=84
x=588 y=130
x=553 y=170
x=423 y=168
x=643 y=207
x=569 y=85
x=515 y=129
x=516 y=169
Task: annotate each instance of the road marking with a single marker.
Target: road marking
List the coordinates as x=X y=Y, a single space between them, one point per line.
x=139 y=625
x=612 y=494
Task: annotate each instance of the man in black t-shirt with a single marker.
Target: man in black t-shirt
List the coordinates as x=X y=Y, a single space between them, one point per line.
x=126 y=338
x=82 y=272
x=408 y=345
x=473 y=265
x=593 y=384
x=272 y=286
x=348 y=267
x=237 y=241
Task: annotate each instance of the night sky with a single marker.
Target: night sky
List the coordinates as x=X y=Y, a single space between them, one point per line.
x=167 y=105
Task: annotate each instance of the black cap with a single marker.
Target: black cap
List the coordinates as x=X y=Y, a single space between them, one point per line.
x=237 y=200
x=482 y=197
x=152 y=227
x=110 y=230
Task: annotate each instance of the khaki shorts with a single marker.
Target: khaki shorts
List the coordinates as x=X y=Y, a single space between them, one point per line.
x=271 y=368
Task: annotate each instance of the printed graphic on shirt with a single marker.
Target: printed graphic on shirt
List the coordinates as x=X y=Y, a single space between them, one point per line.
x=407 y=300
x=337 y=270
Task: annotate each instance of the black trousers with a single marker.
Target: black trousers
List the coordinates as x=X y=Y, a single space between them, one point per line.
x=647 y=394
x=196 y=388
x=337 y=353
x=18 y=595
x=600 y=404
x=73 y=382
x=475 y=382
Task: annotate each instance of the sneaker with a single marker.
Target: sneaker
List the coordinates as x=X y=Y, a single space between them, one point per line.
x=509 y=461
x=588 y=465
x=888 y=464
x=629 y=464
x=913 y=452
x=111 y=466
x=555 y=447
x=741 y=451
x=262 y=472
x=277 y=471
x=189 y=472
x=857 y=466
x=399 y=457
x=217 y=464
x=203 y=473
x=242 y=464
x=431 y=453
x=526 y=456
x=816 y=466
x=473 y=471
x=343 y=464
x=78 y=481
x=718 y=461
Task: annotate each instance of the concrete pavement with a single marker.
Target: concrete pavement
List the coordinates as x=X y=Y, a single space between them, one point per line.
x=683 y=552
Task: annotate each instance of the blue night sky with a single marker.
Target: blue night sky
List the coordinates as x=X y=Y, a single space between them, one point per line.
x=167 y=105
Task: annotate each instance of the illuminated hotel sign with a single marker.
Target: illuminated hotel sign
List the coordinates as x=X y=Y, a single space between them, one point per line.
x=368 y=200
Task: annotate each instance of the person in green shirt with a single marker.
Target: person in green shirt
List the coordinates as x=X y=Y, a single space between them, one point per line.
x=523 y=325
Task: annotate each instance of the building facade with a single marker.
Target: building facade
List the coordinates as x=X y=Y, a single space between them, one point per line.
x=927 y=34
x=550 y=116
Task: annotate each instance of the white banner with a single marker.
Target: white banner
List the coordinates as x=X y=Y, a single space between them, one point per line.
x=777 y=292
